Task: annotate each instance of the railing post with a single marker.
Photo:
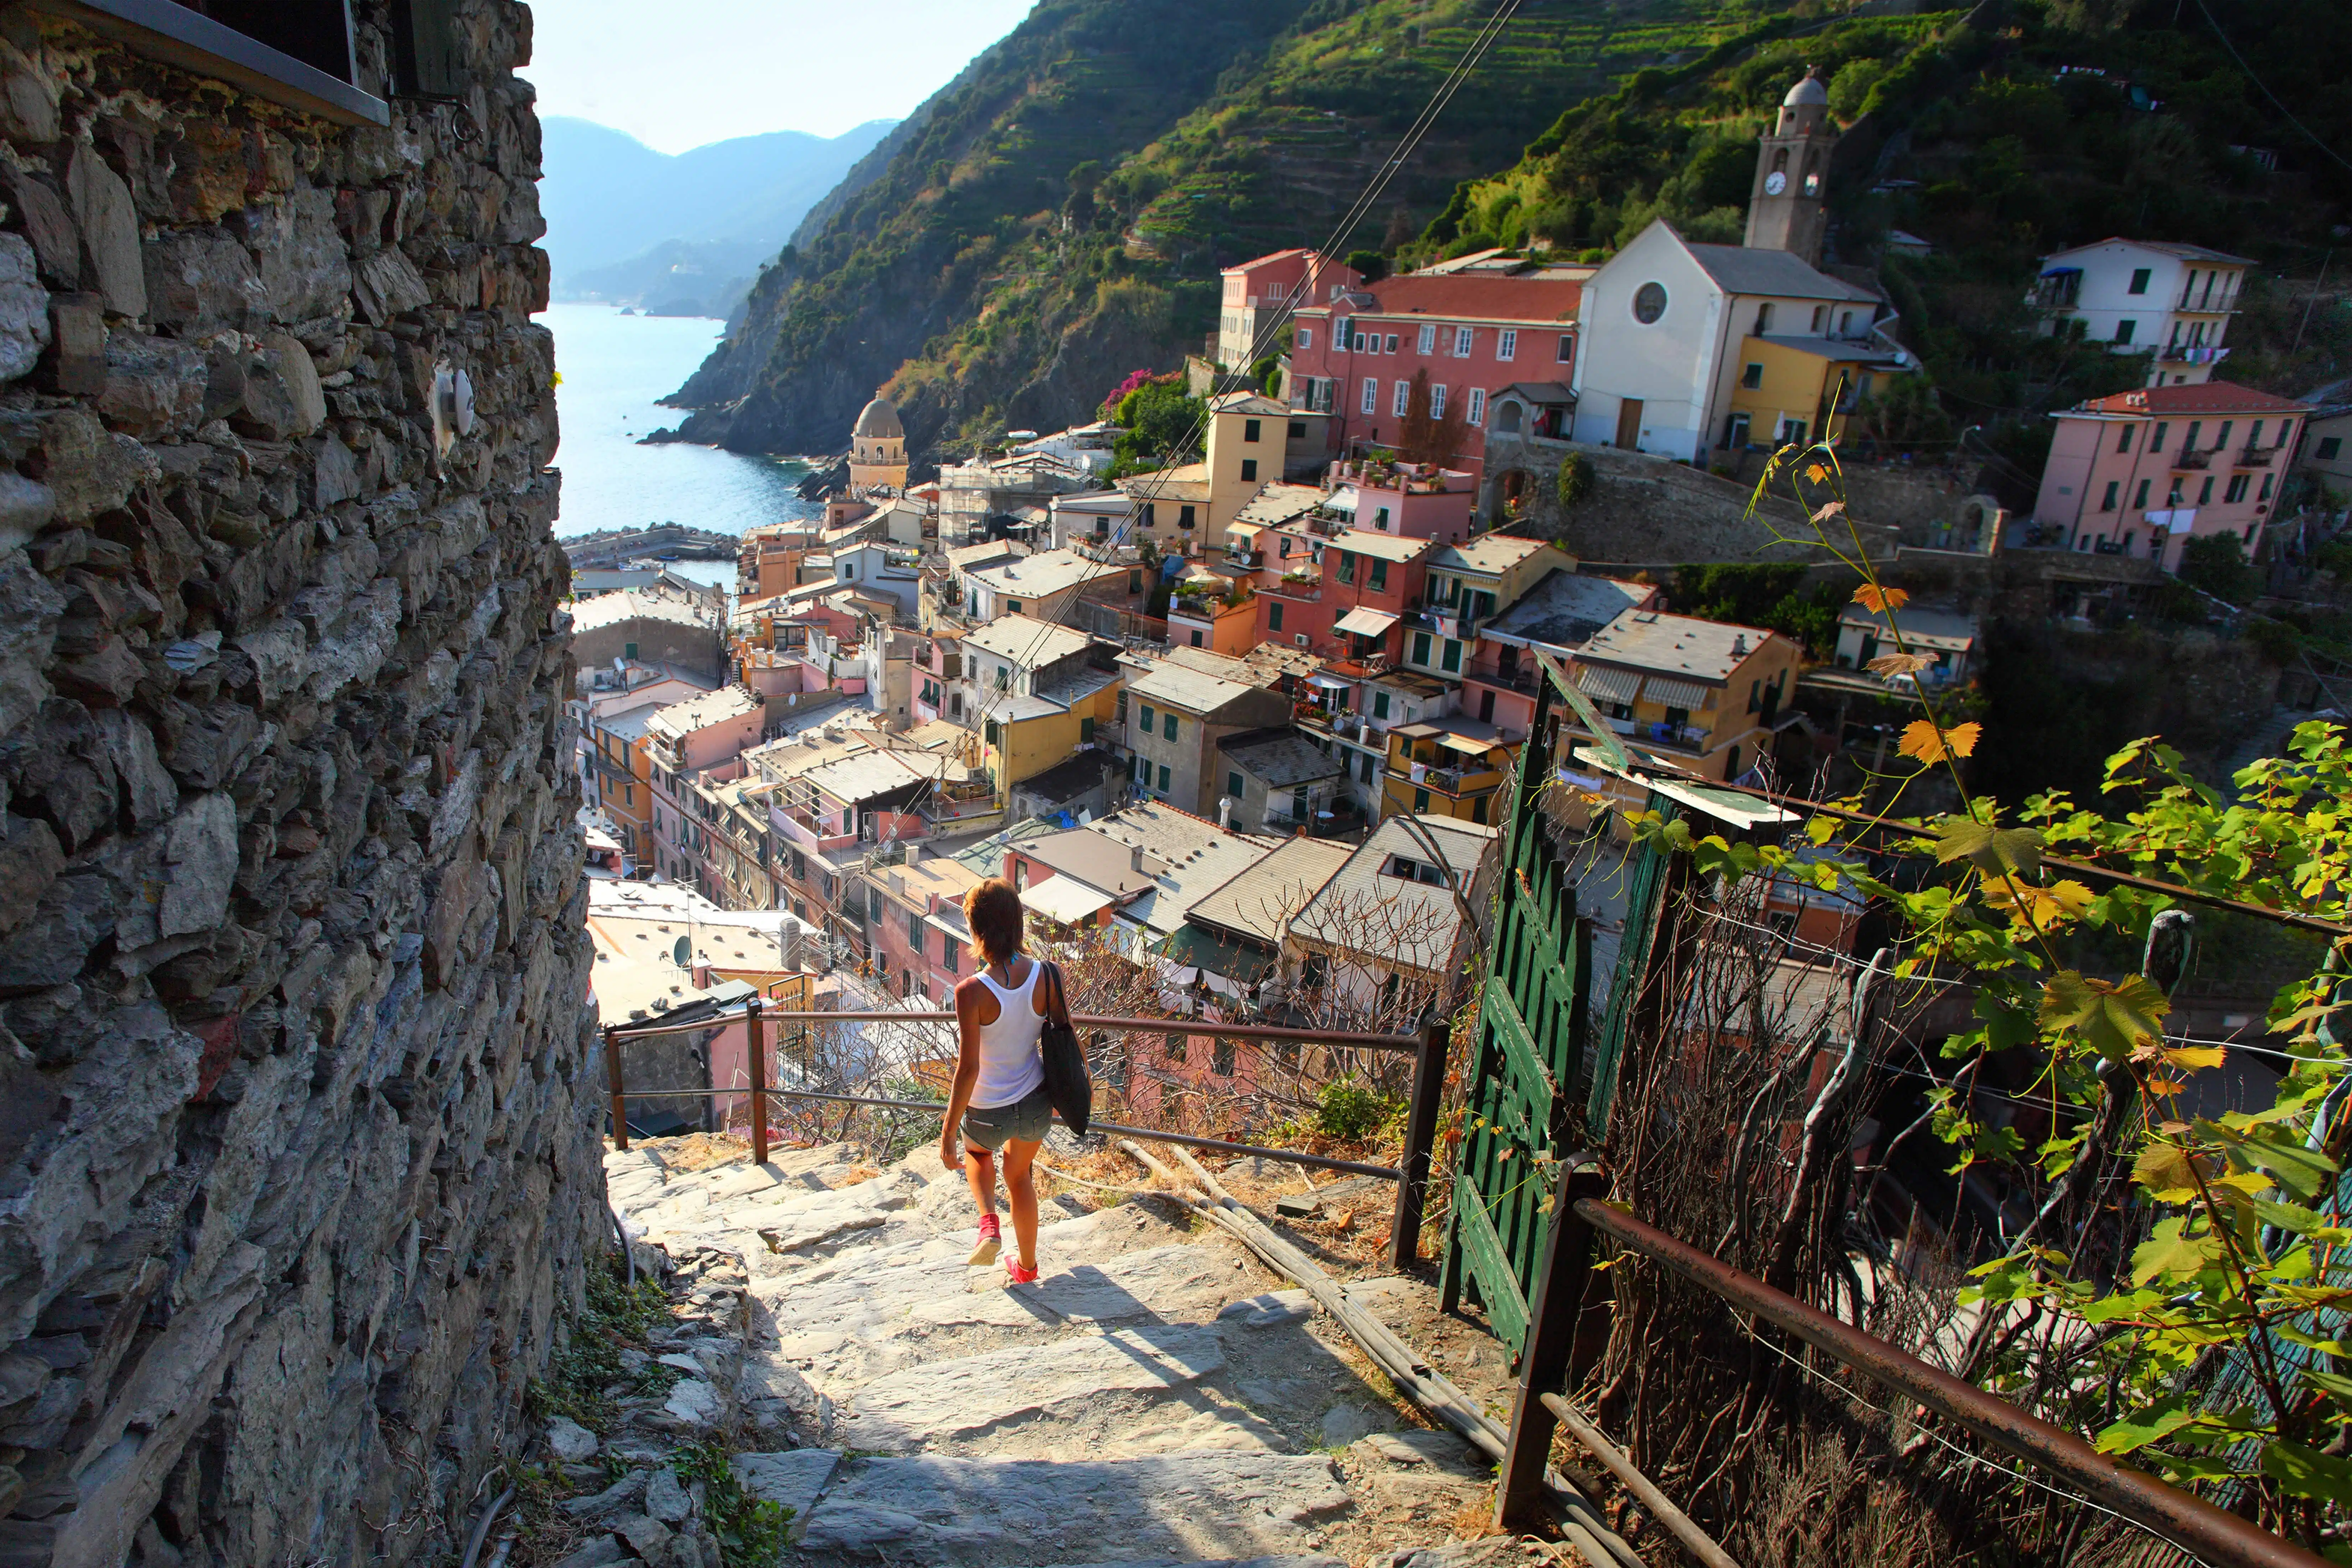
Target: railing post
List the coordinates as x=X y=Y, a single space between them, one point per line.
x=1419 y=1133
x=758 y=1058
x=1551 y=1339
x=613 y=1075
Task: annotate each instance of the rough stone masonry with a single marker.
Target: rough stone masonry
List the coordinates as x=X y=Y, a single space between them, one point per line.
x=296 y=1166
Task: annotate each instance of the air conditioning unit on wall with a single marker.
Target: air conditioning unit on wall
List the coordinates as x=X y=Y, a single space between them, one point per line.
x=1298 y=638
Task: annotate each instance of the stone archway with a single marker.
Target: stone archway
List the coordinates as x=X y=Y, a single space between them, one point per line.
x=1503 y=488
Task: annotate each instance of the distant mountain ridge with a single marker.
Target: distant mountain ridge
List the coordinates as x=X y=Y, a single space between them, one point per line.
x=630 y=223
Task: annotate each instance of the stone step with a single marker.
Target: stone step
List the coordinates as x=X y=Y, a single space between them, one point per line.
x=943 y=1401
x=1181 y=1508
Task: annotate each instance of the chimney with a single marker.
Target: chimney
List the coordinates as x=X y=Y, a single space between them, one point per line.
x=1739 y=646
x=1225 y=812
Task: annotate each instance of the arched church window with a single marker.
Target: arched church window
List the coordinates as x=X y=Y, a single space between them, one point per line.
x=1780 y=160
x=1506 y=420
x=1813 y=176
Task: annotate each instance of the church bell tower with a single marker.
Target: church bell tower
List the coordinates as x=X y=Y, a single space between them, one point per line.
x=1787 y=210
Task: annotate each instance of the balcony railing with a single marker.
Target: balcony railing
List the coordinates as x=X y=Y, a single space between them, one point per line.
x=1450 y=781
x=2193 y=457
x=2202 y=353
x=1526 y=682
x=2256 y=457
x=1681 y=737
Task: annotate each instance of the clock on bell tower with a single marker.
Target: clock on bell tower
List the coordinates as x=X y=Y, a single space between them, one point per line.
x=1787 y=210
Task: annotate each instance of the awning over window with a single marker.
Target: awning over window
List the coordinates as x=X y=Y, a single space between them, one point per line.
x=1366 y=623
x=1331 y=682
x=1065 y=900
x=1470 y=743
x=1609 y=685
x=1681 y=694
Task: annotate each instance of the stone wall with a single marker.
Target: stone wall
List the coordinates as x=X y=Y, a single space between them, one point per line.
x=296 y=1163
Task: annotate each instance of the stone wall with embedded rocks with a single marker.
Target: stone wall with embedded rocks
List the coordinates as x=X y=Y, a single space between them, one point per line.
x=299 y=1142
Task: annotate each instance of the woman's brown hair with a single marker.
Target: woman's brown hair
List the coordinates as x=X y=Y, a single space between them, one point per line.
x=993 y=911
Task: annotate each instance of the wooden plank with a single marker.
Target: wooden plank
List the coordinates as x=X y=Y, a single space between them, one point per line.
x=1530 y=1076
x=1498 y=1282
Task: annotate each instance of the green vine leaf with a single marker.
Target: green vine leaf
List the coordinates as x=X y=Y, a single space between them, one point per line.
x=2115 y=1017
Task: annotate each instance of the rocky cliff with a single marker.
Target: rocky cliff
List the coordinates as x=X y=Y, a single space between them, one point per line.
x=293 y=1174
x=1057 y=215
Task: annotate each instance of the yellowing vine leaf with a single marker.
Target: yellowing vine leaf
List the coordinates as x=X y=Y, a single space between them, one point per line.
x=1930 y=745
x=1816 y=473
x=1995 y=852
x=2168 y=1170
x=1873 y=597
x=2113 y=1018
x=2192 y=1058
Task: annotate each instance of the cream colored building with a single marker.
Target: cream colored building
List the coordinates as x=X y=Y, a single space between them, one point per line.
x=877 y=448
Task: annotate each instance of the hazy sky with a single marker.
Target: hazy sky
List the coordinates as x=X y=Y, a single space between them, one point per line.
x=687 y=72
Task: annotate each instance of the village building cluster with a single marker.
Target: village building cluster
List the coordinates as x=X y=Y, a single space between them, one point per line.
x=1211 y=713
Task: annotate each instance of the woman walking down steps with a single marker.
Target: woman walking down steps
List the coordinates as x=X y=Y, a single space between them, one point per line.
x=999 y=1106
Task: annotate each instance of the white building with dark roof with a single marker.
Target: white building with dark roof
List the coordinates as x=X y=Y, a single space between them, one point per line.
x=2169 y=302
x=1665 y=325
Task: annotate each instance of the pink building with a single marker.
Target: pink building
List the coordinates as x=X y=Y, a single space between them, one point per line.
x=1256 y=292
x=1408 y=500
x=1474 y=332
x=1340 y=596
x=2140 y=473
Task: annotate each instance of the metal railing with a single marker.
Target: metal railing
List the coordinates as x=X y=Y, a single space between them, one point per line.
x=1410 y=1173
x=1549 y=1364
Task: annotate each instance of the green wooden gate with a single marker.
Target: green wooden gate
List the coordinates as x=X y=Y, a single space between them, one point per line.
x=1524 y=1101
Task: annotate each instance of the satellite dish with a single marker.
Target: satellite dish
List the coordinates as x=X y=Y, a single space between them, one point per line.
x=682 y=952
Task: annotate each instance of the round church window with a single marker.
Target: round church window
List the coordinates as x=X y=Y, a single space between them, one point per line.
x=1649 y=302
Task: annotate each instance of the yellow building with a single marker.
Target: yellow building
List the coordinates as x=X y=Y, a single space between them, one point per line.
x=1038 y=692
x=1800 y=389
x=877 y=448
x=1452 y=767
x=1701 y=695
x=1253 y=442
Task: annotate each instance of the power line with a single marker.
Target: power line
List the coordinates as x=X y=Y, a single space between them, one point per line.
x=2312 y=135
x=1154 y=485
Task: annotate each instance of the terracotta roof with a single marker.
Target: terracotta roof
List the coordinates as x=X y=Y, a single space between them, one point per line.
x=2206 y=397
x=1479 y=299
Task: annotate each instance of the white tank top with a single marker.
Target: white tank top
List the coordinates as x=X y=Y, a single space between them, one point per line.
x=1011 y=1066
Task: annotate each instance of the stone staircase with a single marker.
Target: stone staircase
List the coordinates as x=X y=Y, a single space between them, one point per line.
x=1156 y=1398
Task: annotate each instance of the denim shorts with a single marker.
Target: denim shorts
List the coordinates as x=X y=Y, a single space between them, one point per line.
x=1025 y=1119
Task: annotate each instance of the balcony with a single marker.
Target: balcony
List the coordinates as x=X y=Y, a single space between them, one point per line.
x=1456 y=782
x=2255 y=458
x=2197 y=459
x=1680 y=737
x=2199 y=354
x=1527 y=682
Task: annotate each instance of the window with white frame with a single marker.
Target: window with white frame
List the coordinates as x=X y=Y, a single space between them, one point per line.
x=1428 y=339
x=1437 y=401
x=1462 y=338
x=1340 y=333
x=1403 y=399
x=1306 y=337
x=1507 y=343
x=1476 y=413
x=1566 y=347
x=1371 y=395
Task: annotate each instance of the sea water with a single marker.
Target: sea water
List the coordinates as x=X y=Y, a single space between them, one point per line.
x=613 y=368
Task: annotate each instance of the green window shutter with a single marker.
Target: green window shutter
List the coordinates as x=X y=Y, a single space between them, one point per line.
x=1274 y=618
x=1420 y=648
x=1380 y=704
x=1419 y=800
x=1167 y=725
x=991 y=735
x=1147 y=718
x=1163 y=778
x=1086 y=730
x=1453 y=664
x=1380 y=577
x=1012 y=606
x=1234 y=785
x=628 y=650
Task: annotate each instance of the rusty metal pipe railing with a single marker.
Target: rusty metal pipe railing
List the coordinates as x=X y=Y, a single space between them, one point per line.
x=1191 y=1140
x=1267 y=1032
x=2185 y=1520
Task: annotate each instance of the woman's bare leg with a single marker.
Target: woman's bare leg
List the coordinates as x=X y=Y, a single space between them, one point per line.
x=979 y=1166
x=1021 y=1188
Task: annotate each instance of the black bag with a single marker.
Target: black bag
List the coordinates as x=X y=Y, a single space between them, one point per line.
x=1068 y=1087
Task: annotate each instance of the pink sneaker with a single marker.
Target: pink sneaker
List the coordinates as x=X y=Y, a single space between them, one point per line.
x=991 y=1242
x=1019 y=1275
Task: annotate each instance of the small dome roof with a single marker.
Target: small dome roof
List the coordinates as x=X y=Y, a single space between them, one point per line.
x=879 y=422
x=1807 y=90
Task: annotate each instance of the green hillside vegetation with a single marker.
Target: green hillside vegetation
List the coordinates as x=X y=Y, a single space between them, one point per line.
x=1059 y=215
x=1969 y=129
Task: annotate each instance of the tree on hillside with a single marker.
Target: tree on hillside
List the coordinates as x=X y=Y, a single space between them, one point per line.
x=1164 y=425
x=1429 y=435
